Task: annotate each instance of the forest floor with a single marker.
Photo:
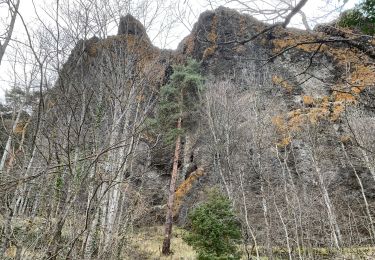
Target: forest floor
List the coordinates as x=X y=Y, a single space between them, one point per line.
x=146 y=242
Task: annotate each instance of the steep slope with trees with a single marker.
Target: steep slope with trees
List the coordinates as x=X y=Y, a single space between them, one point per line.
x=283 y=125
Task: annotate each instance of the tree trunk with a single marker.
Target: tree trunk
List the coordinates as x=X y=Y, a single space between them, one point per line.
x=7 y=232
x=172 y=186
x=371 y=223
x=336 y=233
x=249 y=228
x=10 y=138
x=14 y=12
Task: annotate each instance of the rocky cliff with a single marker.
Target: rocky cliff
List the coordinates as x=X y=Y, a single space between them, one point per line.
x=285 y=129
x=310 y=88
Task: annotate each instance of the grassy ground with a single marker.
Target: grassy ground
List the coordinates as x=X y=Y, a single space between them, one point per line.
x=145 y=243
x=148 y=241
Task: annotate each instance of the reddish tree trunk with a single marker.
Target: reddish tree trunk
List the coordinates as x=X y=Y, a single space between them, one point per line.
x=172 y=186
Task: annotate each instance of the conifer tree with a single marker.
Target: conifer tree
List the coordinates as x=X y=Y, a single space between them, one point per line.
x=214 y=229
x=177 y=102
x=361 y=17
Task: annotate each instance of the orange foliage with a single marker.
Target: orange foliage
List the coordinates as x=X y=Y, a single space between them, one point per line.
x=345 y=139
x=316 y=114
x=295 y=121
x=190 y=44
x=357 y=90
x=18 y=129
x=284 y=141
x=324 y=103
x=344 y=97
x=92 y=50
x=280 y=123
x=209 y=51
x=184 y=188
x=338 y=108
x=360 y=75
x=281 y=82
x=283 y=43
x=212 y=37
x=297 y=118
x=308 y=100
x=363 y=76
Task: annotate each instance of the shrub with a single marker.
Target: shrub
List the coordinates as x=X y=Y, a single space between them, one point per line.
x=215 y=230
x=361 y=17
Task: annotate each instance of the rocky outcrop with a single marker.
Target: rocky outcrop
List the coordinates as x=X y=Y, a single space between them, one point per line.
x=295 y=84
x=308 y=79
x=130 y=26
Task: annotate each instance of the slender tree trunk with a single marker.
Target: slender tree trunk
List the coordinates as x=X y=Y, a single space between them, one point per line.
x=169 y=218
x=287 y=201
x=369 y=165
x=266 y=221
x=217 y=156
x=371 y=223
x=296 y=211
x=14 y=12
x=249 y=228
x=285 y=229
x=10 y=138
x=89 y=246
x=21 y=201
x=7 y=231
x=336 y=233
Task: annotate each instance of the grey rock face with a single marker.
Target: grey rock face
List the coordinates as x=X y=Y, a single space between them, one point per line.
x=130 y=25
x=269 y=84
x=298 y=84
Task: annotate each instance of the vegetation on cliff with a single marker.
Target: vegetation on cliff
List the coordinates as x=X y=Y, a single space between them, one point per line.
x=103 y=138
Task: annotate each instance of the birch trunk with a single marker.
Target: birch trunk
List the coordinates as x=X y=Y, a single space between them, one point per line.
x=14 y=13
x=336 y=233
x=217 y=157
x=362 y=192
x=369 y=165
x=10 y=138
x=249 y=228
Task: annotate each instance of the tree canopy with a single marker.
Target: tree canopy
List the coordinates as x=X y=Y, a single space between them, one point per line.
x=361 y=17
x=179 y=98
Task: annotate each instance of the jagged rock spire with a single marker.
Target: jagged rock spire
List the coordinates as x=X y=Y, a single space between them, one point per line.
x=130 y=25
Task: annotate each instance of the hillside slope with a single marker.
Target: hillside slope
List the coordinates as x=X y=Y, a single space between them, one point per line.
x=285 y=128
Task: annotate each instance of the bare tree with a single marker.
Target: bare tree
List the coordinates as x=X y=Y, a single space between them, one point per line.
x=12 y=12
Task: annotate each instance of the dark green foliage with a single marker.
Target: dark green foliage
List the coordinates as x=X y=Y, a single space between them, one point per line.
x=179 y=98
x=215 y=230
x=368 y=9
x=361 y=17
x=15 y=95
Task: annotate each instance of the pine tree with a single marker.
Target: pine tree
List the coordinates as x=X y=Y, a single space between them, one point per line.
x=361 y=17
x=177 y=102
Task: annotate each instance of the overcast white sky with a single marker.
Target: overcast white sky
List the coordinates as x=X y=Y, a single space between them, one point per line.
x=313 y=9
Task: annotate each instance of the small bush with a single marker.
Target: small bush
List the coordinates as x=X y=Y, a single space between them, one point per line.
x=215 y=230
x=361 y=17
